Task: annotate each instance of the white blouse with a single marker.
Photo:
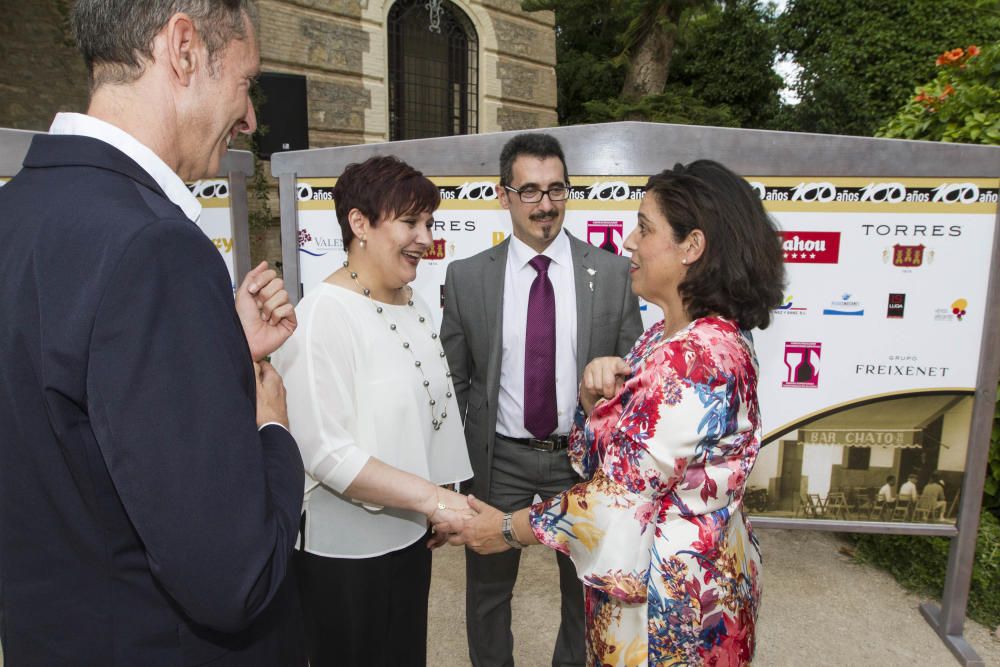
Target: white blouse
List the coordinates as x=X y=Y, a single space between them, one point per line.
x=354 y=392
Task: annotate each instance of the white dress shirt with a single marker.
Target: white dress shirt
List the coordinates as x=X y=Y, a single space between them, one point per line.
x=354 y=393
x=516 y=287
x=173 y=187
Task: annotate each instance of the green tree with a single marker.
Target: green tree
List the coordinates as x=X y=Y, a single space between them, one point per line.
x=962 y=103
x=717 y=70
x=861 y=60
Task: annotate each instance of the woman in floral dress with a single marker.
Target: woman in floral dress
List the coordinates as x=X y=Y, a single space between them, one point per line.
x=667 y=437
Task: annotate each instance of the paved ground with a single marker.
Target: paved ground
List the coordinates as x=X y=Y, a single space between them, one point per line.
x=820 y=609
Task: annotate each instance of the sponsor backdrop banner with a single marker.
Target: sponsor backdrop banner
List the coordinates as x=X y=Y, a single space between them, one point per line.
x=216 y=218
x=886 y=278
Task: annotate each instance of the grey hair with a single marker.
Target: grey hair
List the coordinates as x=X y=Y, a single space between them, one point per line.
x=116 y=36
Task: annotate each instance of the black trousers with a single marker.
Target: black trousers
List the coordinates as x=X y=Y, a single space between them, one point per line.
x=366 y=612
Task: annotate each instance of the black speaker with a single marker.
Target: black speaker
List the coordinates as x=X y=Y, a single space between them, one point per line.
x=283 y=113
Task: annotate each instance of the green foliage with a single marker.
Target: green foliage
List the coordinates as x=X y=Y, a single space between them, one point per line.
x=961 y=104
x=991 y=493
x=678 y=104
x=920 y=563
x=727 y=56
x=721 y=70
x=259 y=214
x=860 y=61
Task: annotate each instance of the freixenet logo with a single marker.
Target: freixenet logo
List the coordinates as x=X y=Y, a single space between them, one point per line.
x=845 y=305
x=437 y=250
x=897 y=303
x=810 y=247
x=802 y=364
x=605 y=234
x=788 y=308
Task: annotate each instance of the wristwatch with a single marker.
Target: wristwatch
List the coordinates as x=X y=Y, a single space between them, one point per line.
x=507 y=529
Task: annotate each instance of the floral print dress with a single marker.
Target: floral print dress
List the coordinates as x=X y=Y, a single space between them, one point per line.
x=670 y=565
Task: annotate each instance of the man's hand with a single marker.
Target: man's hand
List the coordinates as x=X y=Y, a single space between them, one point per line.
x=271 y=406
x=267 y=317
x=481 y=533
x=602 y=378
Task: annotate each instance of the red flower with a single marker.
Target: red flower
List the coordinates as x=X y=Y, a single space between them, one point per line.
x=973 y=51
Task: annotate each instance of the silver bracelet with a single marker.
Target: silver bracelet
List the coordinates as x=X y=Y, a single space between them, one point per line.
x=507 y=529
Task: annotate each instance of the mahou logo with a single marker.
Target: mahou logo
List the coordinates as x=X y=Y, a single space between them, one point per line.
x=810 y=247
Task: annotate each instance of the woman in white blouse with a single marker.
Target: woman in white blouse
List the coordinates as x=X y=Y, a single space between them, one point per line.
x=371 y=404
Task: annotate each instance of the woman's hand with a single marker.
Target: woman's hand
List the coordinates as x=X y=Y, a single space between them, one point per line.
x=602 y=378
x=446 y=512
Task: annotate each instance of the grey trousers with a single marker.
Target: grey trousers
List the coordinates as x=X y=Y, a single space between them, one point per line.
x=520 y=472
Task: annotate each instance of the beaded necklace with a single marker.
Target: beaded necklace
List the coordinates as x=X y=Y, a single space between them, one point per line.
x=436 y=419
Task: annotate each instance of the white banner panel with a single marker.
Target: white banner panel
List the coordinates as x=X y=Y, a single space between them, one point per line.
x=216 y=218
x=886 y=277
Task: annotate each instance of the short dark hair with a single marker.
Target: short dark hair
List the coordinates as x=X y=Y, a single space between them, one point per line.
x=890 y=479
x=382 y=187
x=534 y=144
x=116 y=36
x=740 y=274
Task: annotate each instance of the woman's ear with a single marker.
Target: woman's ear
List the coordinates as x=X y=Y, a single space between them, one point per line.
x=359 y=223
x=694 y=246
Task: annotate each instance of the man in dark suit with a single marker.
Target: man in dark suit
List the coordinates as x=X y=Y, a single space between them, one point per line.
x=521 y=320
x=149 y=492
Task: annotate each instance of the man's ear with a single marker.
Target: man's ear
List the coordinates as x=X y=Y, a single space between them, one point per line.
x=182 y=44
x=503 y=196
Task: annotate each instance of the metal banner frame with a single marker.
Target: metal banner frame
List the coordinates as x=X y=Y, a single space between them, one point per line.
x=236 y=166
x=641 y=149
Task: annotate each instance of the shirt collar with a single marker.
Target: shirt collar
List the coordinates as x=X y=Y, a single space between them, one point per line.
x=558 y=251
x=173 y=187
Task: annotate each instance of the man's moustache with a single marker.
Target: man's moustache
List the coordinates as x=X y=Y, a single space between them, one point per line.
x=543 y=216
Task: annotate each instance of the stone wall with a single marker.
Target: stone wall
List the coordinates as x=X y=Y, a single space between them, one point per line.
x=339 y=45
x=42 y=73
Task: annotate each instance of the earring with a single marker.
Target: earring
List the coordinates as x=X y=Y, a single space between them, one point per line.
x=363 y=243
x=684 y=261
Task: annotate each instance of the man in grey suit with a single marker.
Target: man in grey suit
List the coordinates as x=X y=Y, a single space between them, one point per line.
x=516 y=353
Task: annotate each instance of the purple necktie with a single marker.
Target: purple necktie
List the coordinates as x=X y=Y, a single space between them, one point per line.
x=540 y=354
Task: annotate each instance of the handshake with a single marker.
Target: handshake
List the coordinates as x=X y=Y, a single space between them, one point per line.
x=457 y=519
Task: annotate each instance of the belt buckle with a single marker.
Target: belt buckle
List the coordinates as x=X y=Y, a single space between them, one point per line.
x=543 y=445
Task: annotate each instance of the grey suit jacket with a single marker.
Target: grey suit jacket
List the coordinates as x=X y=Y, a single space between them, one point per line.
x=608 y=323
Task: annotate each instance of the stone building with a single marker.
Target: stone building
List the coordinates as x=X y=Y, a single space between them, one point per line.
x=375 y=69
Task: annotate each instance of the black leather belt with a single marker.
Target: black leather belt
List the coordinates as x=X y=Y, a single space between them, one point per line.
x=553 y=443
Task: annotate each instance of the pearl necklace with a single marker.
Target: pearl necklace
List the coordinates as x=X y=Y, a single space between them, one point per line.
x=436 y=420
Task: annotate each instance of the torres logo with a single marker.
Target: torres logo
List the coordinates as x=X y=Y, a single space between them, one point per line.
x=605 y=234
x=908 y=256
x=897 y=302
x=802 y=365
x=810 y=247
x=437 y=250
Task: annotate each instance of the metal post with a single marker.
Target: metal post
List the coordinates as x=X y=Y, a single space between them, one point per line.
x=239 y=218
x=288 y=201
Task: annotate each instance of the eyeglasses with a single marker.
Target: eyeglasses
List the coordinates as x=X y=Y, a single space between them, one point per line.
x=534 y=195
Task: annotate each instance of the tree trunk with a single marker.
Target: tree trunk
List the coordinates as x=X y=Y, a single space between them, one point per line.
x=649 y=59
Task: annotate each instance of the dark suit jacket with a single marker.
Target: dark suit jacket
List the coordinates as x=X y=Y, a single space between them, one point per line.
x=143 y=518
x=608 y=323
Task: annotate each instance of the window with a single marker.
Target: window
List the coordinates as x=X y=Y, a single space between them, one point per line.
x=858 y=458
x=433 y=70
